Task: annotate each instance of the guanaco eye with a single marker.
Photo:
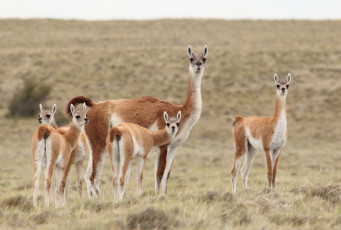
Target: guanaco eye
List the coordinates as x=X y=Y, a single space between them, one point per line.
x=278 y=86
x=78 y=116
x=287 y=86
x=204 y=59
x=191 y=59
x=168 y=124
x=177 y=124
x=48 y=115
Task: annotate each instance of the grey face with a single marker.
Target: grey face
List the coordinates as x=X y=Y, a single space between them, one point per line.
x=197 y=60
x=45 y=117
x=79 y=115
x=172 y=125
x=282 y=87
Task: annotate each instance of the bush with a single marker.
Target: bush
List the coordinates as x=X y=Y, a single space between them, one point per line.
x=25 y=102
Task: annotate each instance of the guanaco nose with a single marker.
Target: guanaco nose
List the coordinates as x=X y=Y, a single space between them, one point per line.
x=173 y=128
x=198 y=63
x=86 y=120
x=283 y=90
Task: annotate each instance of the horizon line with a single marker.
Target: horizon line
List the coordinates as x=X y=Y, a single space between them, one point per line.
x=169 y=18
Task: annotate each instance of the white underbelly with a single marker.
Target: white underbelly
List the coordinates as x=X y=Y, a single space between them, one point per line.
x=256 y=143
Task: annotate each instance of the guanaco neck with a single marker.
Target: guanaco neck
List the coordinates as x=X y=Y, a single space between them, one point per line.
x=193 y=103
x=72 y=134
x=53 y=124
x=280 y=108
x=160 y=137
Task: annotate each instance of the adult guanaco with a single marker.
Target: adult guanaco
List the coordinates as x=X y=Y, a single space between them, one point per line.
x=145 y=111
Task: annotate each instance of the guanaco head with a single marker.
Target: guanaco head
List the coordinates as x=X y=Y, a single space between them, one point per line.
x=197 y=60
x=46 y=117
x=172 y=124
x=282 y=86
x=79 y=116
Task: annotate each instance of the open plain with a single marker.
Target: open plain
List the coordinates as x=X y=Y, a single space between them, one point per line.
x=128 y=59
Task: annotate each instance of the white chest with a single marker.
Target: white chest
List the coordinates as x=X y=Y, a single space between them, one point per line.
x=80 y=153
x=279 y=138
x=182 y=136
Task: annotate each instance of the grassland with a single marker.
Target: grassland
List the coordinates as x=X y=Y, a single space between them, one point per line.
x=126 y=59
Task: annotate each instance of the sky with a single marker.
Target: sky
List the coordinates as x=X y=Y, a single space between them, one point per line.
x=155 y=9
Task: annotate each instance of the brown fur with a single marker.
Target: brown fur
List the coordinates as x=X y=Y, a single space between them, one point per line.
x=43 y=132
x=149 y=111
x=78 y=100
x=144 y=111
x=236 y=119
x=126 y=133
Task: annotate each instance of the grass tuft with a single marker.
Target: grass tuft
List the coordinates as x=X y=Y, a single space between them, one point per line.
x=330 y=193
x=43 y=217
x=151 y=218
x=214 y=196
x=17 y=201
x=23 y=187
x=293 y=219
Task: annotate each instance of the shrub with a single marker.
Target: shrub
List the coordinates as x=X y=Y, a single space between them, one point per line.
x=25 y=102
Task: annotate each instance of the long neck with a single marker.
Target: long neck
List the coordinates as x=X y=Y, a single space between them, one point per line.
x=53 y=124
x=280 y=108
x=72 y=134
x=193 y=102
x=160 y=137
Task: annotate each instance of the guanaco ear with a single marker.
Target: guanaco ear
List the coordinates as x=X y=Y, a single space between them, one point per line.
x=84 y=106
x=288 y=79
x=189 y=51
x=178 y=116
x=276 y=79
x=54 y=108
x=204 y=53
x=72 y=109
x=165 y=116
x=41 y=108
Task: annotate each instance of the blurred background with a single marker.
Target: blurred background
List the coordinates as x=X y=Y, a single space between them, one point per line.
x=51 y=51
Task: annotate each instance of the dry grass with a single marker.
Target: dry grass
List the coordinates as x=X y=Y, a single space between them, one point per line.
x=125 y=59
